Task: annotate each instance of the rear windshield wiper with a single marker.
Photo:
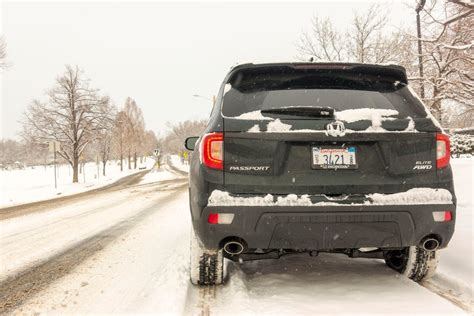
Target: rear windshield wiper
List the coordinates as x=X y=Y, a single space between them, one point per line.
x=311 y=111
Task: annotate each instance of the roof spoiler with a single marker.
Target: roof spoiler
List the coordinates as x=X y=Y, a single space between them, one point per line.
x=390 y=70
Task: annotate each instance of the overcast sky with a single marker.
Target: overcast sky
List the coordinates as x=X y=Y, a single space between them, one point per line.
x=160 y=54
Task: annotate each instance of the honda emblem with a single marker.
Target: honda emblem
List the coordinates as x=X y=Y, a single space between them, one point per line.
x=335 y=129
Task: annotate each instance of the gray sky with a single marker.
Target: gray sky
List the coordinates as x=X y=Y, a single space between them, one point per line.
x=160 y=54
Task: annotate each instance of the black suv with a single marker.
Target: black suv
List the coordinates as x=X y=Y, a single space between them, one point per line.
x=319 y=157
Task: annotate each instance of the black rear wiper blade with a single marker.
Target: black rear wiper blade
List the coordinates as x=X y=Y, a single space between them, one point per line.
x=311 y=111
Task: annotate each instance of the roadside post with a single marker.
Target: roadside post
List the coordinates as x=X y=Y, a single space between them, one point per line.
x=54 y=146
x=83 y=167
x=97 y=162
x=186 y=157
x=156 y=153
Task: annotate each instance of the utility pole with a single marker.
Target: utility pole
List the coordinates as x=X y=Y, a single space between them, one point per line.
x=419 y=7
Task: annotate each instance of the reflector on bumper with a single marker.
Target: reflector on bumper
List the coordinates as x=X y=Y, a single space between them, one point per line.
x=220 y=218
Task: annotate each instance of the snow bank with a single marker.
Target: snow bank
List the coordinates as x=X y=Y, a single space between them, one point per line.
x=410 y=197
x=37 y=183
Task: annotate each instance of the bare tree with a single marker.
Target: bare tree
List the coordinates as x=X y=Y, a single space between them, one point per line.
x=10 y=152
x=368 y=44
x=134 y=129
x=445 y=54
x=323 y=42
x=173 y=141
x=120 y=124
x=150 y=143
x=27 y=154
x=366 y=40
x=73 y=116
x=448 y=54
x=105 y=136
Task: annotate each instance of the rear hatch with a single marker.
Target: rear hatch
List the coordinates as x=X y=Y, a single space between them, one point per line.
x=325 y=129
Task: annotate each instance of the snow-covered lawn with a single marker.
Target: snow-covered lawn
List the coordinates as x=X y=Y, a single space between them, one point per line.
x=37 y=183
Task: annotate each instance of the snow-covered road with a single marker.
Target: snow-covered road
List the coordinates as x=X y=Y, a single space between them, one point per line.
x=127 y=252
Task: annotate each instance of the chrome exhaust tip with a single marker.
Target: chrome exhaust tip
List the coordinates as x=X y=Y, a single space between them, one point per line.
x=233 y=248
x=430 y=244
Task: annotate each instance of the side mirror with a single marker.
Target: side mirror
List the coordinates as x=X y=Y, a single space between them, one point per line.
x=190 y=143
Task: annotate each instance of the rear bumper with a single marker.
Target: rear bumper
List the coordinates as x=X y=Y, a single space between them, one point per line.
x=326 y=227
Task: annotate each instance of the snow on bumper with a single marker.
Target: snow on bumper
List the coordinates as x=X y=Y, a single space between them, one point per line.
x=416 y=196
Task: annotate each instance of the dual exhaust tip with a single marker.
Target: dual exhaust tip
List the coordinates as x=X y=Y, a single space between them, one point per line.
x=430 y=243
x=235 y=247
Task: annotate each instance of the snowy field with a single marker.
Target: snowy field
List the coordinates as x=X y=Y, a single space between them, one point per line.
x=133 y=258
x=37 y=183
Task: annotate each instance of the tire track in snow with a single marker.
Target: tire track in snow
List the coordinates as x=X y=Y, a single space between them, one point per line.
x=447 y=294
x=14 y=291
x=207 y=296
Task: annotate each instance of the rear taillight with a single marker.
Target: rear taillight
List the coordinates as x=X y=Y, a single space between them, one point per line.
x=212 y=150
x=220 y=218
x=443 y=216
x=443 y=150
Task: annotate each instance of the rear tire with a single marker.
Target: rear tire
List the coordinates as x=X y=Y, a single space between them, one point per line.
x=206 y=266
x=414 y=262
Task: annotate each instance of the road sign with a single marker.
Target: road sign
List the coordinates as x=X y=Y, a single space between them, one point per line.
x=54 y=146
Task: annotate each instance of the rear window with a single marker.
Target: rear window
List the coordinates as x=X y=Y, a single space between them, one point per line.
x=262 y=89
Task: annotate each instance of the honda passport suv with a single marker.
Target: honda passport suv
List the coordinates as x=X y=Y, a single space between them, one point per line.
x=319 y=157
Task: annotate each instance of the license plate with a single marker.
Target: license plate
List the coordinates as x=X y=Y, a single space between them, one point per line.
x=334 y=158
